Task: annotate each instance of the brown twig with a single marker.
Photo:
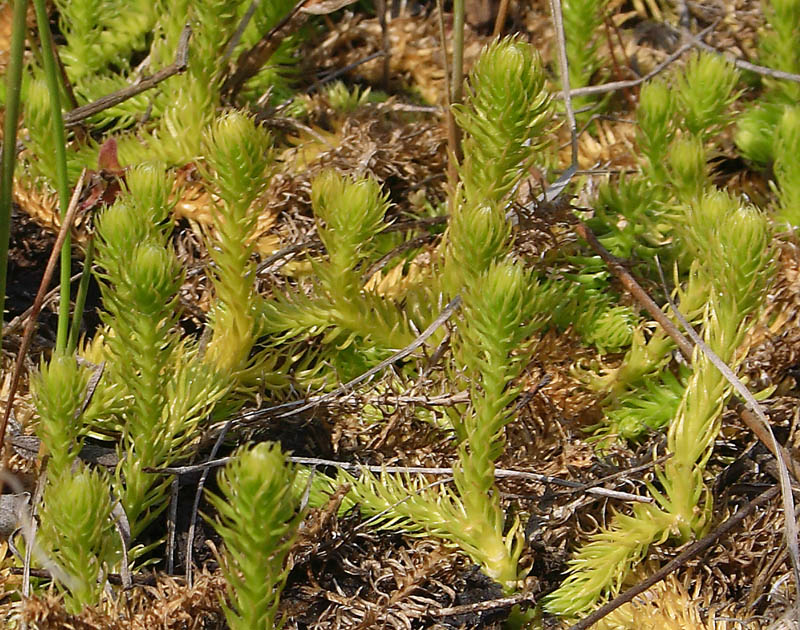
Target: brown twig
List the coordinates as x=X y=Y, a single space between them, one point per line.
x=115 y=98
x=629 y=471
x=233 y=42
x=762 y=433
x=629 y=282
x=250 y=61
x=609 y=25
x=140 y=579
x=759 y=427
x=37 y=307
x=314 y=242
x=489 y=604
x=379 y=264
x=16 y=323
x=287 y=252
x=690 y=552
x=742 y=64
x=446 y=313
x=198 y=495
x=500 y=20
x=381 y=9
x=343 y=70
x=499 y=473
x=695 y=41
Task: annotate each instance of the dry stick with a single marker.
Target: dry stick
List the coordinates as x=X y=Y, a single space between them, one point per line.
x=115 y=98
x=499 y=473
x=148 y=579
x=250 y=61
x=172 y=518
x=609 y=24
x=379 y=264
x=16 y=323
x=563 y=65
x=343 y=70
x=237 y=35
x=629 y=471
x=314 y=241
x=763 y=433
x=37 y=306
x=690 y=552
x=298 y=406
x=417 y=224
x=500 y=20
x=286 y=252
x=790 y=524
x=123 y=528
x=695 y=41
x=620 y=85
x=446 y=313
x=197 y=496
x=630 y=283
x=745 y=65
x=477 y=607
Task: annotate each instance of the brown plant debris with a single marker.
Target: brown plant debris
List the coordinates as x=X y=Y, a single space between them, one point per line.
x=169 y=605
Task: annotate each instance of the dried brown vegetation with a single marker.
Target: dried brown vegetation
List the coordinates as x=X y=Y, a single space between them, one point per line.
x=345 y=575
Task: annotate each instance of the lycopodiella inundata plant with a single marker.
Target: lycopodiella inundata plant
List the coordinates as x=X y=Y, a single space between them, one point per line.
x=787 y=168
x=736 y=261
x=496 y=326
x=704 y=92
x=239 y=155
x=768 y=130
x=169 y=388
x=100 y=42
x=78 y=534
x=361 y=326
x=640 y=396
x=41 y=140
x=257 y=517
x=699 y=104
x=506 y=111
x=656 y=126
x=492 y=349
x=706 y=88
x=157 y=387
x=756 y=133
x=504 y=120
x=59 y=389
